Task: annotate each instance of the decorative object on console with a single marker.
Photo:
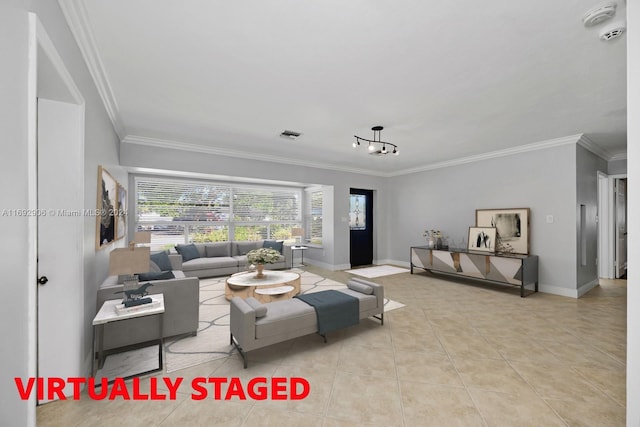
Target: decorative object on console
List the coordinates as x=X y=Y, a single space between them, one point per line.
x=482 y=239
x=373 y=149
x=512 y=228
x=434 y=238
x=260 y=257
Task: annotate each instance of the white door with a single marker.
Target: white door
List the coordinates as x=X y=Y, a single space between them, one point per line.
x=621 y=227
x=60 y=240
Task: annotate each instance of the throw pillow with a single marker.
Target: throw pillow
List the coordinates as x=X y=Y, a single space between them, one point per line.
x=163 y=275
x=260 y=309
x=360 y=287
x=153 y=267
x=217 y=249
x=161 y=259
x=188 y=252
x=273 y=245
x=244 y=247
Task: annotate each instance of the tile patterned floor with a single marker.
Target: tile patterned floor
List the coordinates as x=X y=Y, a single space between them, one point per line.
x=458 y=354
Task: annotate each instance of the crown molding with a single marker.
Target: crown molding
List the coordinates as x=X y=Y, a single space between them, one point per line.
x=184 y=146
x=75 y=13
x=594 y=148
x=618 y=156
x=542 y=145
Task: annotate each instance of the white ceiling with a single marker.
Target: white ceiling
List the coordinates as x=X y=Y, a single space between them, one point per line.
x=447 y=80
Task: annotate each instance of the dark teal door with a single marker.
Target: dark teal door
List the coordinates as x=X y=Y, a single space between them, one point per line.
x=361 y=227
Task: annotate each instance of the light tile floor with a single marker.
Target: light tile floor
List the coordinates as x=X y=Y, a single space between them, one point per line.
x=457 y=354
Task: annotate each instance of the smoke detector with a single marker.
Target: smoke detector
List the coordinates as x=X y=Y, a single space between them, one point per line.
x=613 y=31
x=599 y=14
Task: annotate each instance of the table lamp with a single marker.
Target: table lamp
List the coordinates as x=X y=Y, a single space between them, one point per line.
x=297 y=233
x=130 y=261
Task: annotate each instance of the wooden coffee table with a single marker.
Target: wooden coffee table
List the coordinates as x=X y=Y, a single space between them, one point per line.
x=245 y=284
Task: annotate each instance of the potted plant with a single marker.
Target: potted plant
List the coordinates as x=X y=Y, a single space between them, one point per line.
x=262 y=256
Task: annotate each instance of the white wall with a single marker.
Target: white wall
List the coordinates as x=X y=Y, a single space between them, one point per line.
x=587 y=167
x=446 y=199
x=136 y=155
x=18 y=358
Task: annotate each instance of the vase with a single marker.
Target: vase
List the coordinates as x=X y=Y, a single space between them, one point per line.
x=260 y=271
x=431 y=243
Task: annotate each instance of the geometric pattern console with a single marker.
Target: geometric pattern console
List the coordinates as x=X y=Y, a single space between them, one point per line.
x=507 y=269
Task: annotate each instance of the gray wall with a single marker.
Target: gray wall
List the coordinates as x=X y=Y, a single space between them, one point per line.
x=446 y=199
x=617 y=167
x=335 y=256
x=100 y=148
x=587 y=167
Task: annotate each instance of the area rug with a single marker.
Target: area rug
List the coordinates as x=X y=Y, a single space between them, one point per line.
x=377 y=271
x=212 y=341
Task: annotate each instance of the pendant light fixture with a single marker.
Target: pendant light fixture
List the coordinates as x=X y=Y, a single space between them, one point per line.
x=375 y=145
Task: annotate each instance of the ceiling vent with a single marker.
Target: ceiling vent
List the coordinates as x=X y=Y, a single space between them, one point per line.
x=613 y=31
x=599 y=14
x=289 y=134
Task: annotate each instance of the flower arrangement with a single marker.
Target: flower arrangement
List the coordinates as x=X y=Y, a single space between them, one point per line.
x=263 y=256
x=432 y=234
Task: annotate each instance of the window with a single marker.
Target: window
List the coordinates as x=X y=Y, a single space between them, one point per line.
x=181 y=211
x=313 y=216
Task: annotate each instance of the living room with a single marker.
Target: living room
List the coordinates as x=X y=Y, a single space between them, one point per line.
x=551 y=175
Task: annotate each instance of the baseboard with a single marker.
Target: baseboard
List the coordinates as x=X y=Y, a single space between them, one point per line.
x=557 y=290
x=587 y=287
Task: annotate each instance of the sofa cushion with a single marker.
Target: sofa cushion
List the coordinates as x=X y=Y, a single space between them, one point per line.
x=209 y=263
x=360 y=287
x=242 y=248
x=260 y=309
x=163 y=275
x=188 y=252
x=367 y=302
x=285 y=316
x=218 y=249
x=161 y=260
x=277 y=245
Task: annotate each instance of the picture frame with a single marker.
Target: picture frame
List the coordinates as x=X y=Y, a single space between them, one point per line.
x=106 y=207
x=482 y=239
x=121 y=212
x=512 y=228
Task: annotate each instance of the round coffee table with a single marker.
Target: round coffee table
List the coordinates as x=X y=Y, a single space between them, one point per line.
x=244 y=285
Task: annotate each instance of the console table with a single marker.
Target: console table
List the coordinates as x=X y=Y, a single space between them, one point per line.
x=506 y=269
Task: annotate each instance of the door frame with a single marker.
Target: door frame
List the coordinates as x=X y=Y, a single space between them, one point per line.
x=607 y=225
x=51 y=65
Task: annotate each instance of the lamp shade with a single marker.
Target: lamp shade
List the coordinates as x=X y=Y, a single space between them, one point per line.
x=297 y=232
x=127 y=261
x=142 y=237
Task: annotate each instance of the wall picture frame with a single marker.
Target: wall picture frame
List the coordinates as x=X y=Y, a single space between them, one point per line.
x=512 y=228
x=482 y=239
x=121 y=212
x=106 y=208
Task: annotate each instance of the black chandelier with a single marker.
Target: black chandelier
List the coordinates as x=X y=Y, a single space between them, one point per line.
x=386 y=148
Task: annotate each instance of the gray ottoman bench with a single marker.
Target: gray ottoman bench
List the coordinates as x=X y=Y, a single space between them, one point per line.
x=255 y=325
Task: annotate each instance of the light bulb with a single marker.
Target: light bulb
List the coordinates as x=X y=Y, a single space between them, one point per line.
x=384 y=150
x=371 y=147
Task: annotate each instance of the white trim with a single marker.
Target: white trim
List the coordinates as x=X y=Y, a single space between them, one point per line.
x=184 y=146
x=605 y=221
x=618 y=156
x=587 y=287
x=595 y=149
x=558 y=290
x=32 y=200
x=76 y=15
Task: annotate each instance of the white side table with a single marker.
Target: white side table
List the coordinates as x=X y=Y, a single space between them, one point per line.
x=293 y=253
x=114 y=311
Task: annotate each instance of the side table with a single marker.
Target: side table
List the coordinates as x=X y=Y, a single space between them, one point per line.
x=114 y=311
x=293 y=253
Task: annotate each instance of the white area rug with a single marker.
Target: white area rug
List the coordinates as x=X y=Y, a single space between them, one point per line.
x=212 y=341
x=378 y=271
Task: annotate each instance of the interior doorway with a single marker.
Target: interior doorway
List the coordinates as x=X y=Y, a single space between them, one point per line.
x=58 y=194
x=360 y=227
x=612 y=226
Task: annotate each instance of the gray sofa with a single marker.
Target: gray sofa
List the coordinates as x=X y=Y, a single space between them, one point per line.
x=182 y=305
x=223 y=258
x=255 y=325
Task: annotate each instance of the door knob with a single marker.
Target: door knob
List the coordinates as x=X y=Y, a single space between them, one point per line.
x=42 y=280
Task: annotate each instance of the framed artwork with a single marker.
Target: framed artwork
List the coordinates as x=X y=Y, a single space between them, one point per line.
x=121 y=213
x=105 y=213
x=357 y=211
x=512 y=228
x=482 y=239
